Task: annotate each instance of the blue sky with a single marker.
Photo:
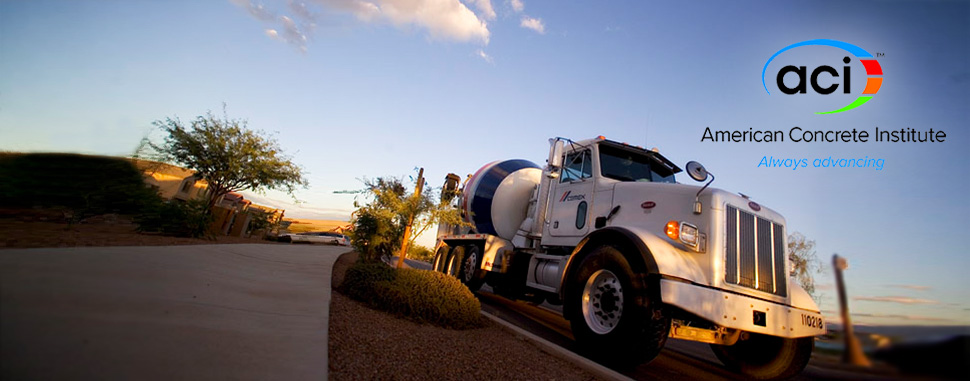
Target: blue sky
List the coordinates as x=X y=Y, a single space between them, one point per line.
x=365 y=88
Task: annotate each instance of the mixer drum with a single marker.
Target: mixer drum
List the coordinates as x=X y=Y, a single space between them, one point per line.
x=496 y=198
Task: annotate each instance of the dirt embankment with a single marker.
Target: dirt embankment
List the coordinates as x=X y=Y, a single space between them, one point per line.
x=53 y=228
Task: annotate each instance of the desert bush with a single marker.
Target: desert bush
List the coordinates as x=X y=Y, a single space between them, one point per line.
x=361 y=279
x=417 y=295
x=379 y=224
x=375 y=235
x=262 y=221
x=420 y=253
x=175 y=218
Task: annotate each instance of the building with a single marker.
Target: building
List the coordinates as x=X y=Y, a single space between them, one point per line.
x=233 y=214
x=171 y=182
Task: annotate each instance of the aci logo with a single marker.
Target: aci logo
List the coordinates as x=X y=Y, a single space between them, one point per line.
x=870 y=63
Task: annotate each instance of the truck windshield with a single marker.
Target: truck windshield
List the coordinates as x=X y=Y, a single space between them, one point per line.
x=624 y=165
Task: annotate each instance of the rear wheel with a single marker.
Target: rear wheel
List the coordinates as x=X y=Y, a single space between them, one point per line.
x=471 y=273
x=453 y=265
x=613 y=315
x=440 y=259
x=766 y=357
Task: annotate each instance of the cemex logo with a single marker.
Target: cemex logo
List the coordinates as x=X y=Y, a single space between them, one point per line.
x=873 y=70
x=569 y=196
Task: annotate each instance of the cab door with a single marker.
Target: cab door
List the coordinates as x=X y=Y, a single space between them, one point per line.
x=573 y=197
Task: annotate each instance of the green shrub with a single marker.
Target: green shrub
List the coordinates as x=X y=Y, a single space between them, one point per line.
x=262 y=220
x=420 y=253
x=376 y=235
x=418 y=295
x=362 y=278
x=176 y=218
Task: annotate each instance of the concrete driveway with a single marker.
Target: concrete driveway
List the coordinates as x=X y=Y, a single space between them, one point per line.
x=166 y=312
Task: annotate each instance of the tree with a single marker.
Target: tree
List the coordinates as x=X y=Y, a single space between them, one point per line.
x=801 y=254
x=227 y=155
x=379 y=224
x=378 y=227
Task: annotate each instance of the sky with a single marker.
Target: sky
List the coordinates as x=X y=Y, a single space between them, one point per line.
x=356 y=89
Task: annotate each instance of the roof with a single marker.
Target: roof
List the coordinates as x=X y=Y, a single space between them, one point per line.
x=156 y=167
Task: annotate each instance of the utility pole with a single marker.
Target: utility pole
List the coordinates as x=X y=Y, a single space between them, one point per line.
x=853 y=350
x=407 y=228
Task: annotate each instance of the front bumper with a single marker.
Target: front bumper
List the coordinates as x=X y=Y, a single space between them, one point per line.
x=742 y=312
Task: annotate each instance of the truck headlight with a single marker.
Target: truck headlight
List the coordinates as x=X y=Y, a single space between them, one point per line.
x=682 y=232
x=688 y=234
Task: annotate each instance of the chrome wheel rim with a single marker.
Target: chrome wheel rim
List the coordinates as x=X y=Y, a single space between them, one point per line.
x=602 y=302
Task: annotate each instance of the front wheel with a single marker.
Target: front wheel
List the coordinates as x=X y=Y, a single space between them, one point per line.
x=618 y=319
x=766 y=357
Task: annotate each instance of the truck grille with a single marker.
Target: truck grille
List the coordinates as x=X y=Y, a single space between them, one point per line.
x=755 y=255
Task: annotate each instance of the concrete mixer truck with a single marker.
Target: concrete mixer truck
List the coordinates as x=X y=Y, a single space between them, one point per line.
x=632 y=256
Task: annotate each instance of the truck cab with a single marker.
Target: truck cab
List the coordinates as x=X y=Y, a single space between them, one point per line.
x=585 y=186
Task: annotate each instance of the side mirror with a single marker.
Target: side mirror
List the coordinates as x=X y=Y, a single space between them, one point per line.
x=696 y=171
x=555 y=153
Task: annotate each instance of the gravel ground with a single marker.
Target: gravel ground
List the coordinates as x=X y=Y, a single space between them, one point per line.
x=367 y=344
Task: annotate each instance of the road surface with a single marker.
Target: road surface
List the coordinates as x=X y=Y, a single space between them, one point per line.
x=166 y=312
x=679 y=360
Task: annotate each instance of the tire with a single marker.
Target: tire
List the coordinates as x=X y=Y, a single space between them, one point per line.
x=620 y=321
x=453 y=264
x=471 y=273
x=440 y=258
x=766 y=357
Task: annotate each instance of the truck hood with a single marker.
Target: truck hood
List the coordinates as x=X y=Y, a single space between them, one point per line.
x=683 y=196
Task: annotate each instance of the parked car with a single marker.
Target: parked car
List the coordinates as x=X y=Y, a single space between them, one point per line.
x=330 y=238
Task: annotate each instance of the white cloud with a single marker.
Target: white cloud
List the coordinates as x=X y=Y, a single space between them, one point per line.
x=484 y=8
x=517 y=6
x=481 y=53
x=255 y=9
x=442 y=19
x=301 y=10
x=293 y=34
x=364 y=10
x=895 y=299
x=534 y=24
x=910 y=287
x=283 y=27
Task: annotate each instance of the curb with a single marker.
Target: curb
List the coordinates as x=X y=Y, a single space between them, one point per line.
x=588 y=365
